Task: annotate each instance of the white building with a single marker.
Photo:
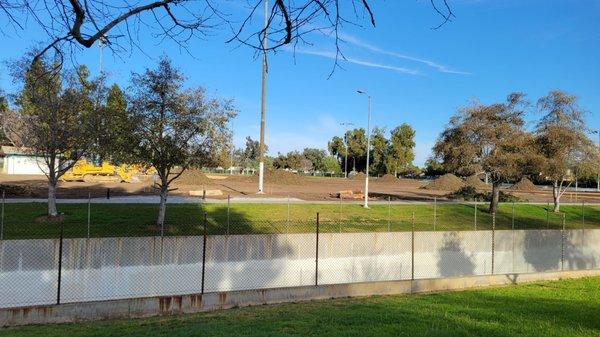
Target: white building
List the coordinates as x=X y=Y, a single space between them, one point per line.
x=14 y=160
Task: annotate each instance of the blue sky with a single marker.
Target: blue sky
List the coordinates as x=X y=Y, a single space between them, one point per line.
x=415 y=74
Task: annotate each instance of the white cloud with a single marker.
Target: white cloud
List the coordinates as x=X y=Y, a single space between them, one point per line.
x=365 y=45
x=366 y=63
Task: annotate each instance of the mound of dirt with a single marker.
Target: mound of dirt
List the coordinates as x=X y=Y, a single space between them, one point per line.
x=475 y=182
x=11 y=190
x=524 y=185
x=193 y=177
x=280 y=177
x=388 y=178
x=359 y=176
x=447 y=182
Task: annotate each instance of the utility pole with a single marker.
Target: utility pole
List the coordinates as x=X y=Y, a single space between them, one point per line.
x=263 y=104
x=346 y=124
x=366 y=204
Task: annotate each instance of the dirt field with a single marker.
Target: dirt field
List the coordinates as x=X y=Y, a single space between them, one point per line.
x=307 y=188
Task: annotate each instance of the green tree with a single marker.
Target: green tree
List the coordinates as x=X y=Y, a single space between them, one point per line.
x=114 y=142
x=175 y=128
x=401 y=150
x=379 y=152
x=433 y=167
x=331 y=165
x=294 y=160
x=56 y=117
x=316 y=157
x=488 y=138
x=357 y=148
x=562 y=142
x=337 y=147
x=280 y=162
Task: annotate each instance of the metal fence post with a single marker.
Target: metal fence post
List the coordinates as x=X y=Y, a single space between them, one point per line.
x=2 y=216
x=475 y=214
x=412 y=248
x=317 y=254
x=513 y=215
x=228 y=211
x=204 y=254
x=583 y=214
x=341 y=214
x=547 y=215
x=389 y=211
x=60 y=253
x=493 y=239
x=434 y=213
x=287 y=224
x=89 y=214
x=562 y=244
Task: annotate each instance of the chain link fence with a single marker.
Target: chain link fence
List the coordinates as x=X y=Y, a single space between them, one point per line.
x=51 y=263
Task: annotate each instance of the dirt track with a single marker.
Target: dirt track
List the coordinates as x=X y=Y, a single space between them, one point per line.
x=309 y=188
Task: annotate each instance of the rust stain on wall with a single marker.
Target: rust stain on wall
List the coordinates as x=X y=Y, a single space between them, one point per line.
x=196 y=301
x=164 y=304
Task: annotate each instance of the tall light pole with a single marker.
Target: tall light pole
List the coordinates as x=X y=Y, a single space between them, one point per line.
x=346 y=124
x=598 y=173
x=366 y=205
x=263 y=105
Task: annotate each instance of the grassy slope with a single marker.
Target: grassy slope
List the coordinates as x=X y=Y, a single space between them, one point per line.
x=561 y=308
x=137 y=219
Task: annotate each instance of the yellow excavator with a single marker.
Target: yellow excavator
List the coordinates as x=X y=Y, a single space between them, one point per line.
x=88 y=172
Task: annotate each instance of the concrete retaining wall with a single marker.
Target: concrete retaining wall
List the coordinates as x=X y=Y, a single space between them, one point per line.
x=192 y=303
x=116 y=268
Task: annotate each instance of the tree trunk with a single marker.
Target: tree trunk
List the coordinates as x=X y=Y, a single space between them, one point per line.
x=52 y=211
x=495 y=197
x=556 y=196
x=160 y=221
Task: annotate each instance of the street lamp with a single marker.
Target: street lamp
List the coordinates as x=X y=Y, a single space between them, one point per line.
x=598 y=173
x=346 y=124
x=360 y=92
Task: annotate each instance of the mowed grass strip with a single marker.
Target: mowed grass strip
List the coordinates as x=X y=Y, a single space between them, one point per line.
x=559 y=308
x=26 y=220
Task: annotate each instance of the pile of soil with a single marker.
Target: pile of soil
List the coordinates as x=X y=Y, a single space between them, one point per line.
x=447 y=182
x=11 y=190
x=280 y=177
x=359 y=176
x=388 y=178
x=524 y=185
x=193 y=177
x=475 y=182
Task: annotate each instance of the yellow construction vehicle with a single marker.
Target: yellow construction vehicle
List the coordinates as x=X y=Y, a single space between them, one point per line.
x=88 y=172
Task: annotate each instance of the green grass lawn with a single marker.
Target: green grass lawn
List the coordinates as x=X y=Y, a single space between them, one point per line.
x=560 y=308
x=24 y=220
